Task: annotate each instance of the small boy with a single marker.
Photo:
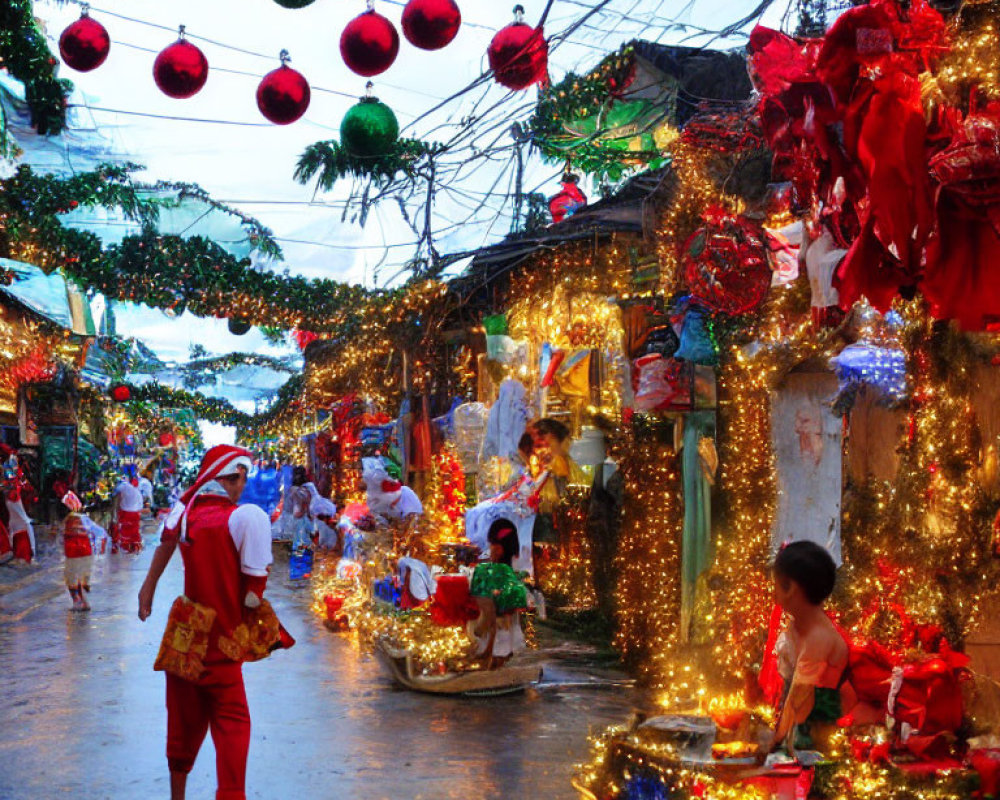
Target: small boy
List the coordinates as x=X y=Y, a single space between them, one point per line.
x=79 y=552
x=812 y=653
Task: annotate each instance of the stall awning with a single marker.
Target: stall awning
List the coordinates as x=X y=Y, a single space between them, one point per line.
x=49 y=296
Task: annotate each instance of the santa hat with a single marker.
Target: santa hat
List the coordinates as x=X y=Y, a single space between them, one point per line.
x=219 y=462
x=72 y=502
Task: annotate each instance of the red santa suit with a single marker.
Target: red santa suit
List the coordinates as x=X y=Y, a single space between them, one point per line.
x=130 y=504
x=227 y=551
x=22 y=533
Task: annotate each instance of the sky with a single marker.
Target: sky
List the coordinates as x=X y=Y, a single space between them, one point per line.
x=219 y=139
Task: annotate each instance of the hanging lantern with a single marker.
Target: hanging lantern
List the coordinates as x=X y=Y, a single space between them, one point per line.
x=431 y=24
x=84 y=45
x=181 y=69
x=294 y=3
x=369 y=128
x=283 y=95
x=570 y=200
x=121 y=392
x=238 y=327
x=519 y=54
x=369 y=43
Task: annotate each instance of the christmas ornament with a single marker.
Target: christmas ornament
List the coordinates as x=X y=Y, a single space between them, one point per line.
x=181 y=69
x=238 y=327
x=120 y=393
x=176 y=306
x=283 y=94
x=85 y=44
x=570 y=200
x=431 y=24
x=725 y=263
x=294 y=3
x=519 y=54
x=369 y=129
x=369 y=43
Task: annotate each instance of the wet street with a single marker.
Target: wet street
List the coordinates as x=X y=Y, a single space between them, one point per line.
x=83 y=714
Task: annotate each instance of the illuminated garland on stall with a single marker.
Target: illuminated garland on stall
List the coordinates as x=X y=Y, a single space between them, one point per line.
x=648 y=558
x=924 y=541
x=26 y=56
x=369 y=361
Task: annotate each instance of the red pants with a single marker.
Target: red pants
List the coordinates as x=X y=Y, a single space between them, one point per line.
x=22 y=546
x=218 y=700
x=129 y=539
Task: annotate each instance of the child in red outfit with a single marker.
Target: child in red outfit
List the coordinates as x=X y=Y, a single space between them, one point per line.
x=227 y=552
x=79 y=552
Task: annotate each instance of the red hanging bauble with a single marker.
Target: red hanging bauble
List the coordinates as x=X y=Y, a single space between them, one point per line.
x=85 y=44
x=570 y=200
x=181 y=69
x=431 y=24
x=121 y=393
x=369 y=43
x=283 y=95
x=519 y=54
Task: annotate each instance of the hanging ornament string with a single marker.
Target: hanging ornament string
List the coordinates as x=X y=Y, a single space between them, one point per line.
x=85 y=44
x=369 y=44
x=283 y=95
x=180 y=70
x=431 y=24
x=519 y=54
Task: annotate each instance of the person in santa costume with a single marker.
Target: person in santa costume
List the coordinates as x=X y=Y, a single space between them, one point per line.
x=221 y=620
x=128 y=505
x=19 y=524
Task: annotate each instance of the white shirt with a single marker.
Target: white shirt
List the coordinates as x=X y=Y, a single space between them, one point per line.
x=146 y=489
x=131 y=497
x=250 y=527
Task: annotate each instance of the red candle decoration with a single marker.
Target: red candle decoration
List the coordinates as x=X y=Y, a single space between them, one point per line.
x=283 y=95
x=519 y=54
x=181 y=69
x=431 y=24
x=84 y=45
x=369 y=44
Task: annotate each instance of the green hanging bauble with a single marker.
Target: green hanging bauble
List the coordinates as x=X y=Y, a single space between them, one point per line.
x=369 y=129
x=238 y=326
x=293 y=3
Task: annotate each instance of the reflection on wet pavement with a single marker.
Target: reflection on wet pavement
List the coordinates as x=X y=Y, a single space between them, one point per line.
x=83 y=713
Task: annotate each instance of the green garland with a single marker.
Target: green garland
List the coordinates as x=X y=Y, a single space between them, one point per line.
x=330 y=162
x=203 y=370
x=26 y=56
x=216 y=409
x=167 y=272
x=211 y=409
x=590 y=95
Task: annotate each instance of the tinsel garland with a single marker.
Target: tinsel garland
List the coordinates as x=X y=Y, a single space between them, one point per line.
x=25 y=54
x=923 y=540
x=329 y=161
x=203 y=370
x=168 y=272
x=648 y=559
x=585 y=96
x=220 y=410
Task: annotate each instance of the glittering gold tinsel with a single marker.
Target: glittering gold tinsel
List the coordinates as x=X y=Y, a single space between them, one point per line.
x=923 y=541
x=648 y=560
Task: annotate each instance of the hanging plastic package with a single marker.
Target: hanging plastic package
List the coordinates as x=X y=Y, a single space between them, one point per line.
x=697 y=341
